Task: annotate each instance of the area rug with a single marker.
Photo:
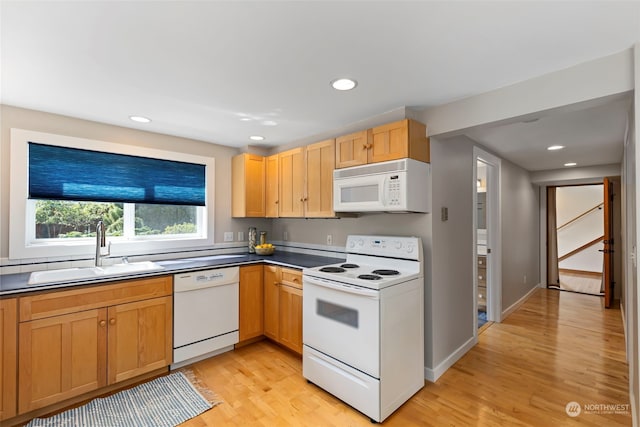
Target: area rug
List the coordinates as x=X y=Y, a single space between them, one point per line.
x=164 y=402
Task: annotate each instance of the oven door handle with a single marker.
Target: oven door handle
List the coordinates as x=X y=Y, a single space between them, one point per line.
x=342 y=287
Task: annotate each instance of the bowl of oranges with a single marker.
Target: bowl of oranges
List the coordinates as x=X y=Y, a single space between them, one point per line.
x=265 y=249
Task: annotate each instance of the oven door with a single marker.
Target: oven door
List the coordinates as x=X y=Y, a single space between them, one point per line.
x=342 y=321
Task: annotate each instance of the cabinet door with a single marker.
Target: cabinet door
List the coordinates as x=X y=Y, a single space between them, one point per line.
x=291 y=317
x=389 y=142
x=271 y=184
x=8 y=358
x=351 y=150
x=320 y=162
x=248 y=189
x=291 y=183
x=61 y=357
x=251 y=302
x=140 y=337
x=272 y=302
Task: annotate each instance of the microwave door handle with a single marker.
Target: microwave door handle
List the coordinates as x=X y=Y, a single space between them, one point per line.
x=383 y=196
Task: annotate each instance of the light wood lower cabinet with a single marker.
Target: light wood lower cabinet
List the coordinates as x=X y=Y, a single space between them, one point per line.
x=283 y=306
x=8 y=357
x=251 y=302
x=75 y=341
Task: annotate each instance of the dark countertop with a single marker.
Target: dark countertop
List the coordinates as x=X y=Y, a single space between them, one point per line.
x=13 y=284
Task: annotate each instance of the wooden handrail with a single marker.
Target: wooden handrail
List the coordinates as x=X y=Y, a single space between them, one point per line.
x=580 y=216
x=581 y=248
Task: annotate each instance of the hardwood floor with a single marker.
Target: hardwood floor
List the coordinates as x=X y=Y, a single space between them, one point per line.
x=557 y=348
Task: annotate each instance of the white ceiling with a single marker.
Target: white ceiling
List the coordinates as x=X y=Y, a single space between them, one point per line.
x=197 y=68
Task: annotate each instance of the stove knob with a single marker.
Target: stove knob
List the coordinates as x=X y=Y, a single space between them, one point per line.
x=410 y=248
x=360 y=242
x=398 y=245
x=352 y=244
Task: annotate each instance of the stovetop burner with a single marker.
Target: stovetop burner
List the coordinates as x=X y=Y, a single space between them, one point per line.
x=348 y=265
x=369 y=277
x=332 y=270
x=384 y=272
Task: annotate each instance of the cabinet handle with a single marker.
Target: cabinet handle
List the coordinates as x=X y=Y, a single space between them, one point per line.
x=112 y=321
x=103 y=323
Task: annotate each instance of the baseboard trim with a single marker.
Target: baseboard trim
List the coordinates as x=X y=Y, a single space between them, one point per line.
x=513 y=307
x=433 y=374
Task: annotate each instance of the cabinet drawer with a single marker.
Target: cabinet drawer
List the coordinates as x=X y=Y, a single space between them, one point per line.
x=291 y=278
x=55 y=303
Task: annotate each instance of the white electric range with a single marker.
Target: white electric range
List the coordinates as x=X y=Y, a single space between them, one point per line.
x=363 y=324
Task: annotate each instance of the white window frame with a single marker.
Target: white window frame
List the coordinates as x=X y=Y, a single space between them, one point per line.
x=21 y=238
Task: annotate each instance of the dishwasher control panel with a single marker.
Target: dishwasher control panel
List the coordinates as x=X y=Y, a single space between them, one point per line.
x=202 y=279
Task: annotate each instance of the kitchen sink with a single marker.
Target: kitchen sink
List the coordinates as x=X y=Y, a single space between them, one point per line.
x=67 y=274
x=212 y=257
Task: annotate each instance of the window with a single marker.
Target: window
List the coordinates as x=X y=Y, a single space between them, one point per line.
x=150 y=200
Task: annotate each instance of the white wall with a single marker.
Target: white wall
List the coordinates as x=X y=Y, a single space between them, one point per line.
x=575 y=200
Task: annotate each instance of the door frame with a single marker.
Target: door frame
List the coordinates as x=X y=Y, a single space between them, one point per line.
x=494 y=236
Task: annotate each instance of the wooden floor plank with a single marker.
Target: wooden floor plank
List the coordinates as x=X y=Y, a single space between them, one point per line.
x=556 y=348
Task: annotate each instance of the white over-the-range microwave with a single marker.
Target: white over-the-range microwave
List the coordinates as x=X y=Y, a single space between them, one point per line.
x=395 y=186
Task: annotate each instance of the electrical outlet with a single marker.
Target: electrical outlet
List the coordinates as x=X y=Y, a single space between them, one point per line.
x=285 y=236
x=240 y=236
x=228 y=236
x=329 y=239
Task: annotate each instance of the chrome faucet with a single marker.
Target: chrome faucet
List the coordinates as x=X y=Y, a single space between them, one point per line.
x=101 y=242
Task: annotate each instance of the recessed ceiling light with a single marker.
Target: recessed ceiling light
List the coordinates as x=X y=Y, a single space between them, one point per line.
x=555 y=147
x=344 y=84
x=256 y=138
x=140 y=119
x=570 y=164
x=269 y=123
x=245 y=119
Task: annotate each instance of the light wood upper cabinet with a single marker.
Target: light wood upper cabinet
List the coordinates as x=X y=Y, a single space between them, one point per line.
x=248 y=186
x=352 y=149
x=251 y=302
x=405 y=138
x=392 y=141
x=291 y=184
x=271 y=186
x=75 y=341
x=320 y=162
x=8 y=358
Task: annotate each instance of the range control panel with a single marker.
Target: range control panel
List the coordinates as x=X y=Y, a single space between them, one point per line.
x=387 y=246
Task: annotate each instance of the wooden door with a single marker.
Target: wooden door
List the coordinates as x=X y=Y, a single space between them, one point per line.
x=61 y=357
x=271 y=186
x=351 y=150
x=608 y=241
x=8 y=358
x=291 y=183
x=291 y=317
x=272 y=302
x=320 y=162
x=248 y=189
x=291 y=309
x=251 y=302
x=140 y=337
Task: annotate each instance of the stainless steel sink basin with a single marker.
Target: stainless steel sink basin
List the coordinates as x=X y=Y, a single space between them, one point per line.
x=67 y=274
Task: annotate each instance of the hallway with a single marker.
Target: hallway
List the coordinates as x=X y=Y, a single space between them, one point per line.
x=557 y=348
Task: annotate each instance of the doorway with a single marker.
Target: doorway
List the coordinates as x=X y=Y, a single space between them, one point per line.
x=486 y=239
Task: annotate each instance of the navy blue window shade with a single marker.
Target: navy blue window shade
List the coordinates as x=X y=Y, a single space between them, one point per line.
x=61 y=173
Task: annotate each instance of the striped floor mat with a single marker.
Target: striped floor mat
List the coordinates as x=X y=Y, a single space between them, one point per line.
x=164 y=402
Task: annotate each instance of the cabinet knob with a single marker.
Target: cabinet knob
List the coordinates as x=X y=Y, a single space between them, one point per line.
x=480 y=277
x=103 y=323
x=112 y=321
x=276 y=202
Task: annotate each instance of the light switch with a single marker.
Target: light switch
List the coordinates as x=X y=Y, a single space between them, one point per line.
x=240 y=236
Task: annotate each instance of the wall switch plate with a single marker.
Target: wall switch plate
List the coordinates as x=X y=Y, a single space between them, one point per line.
x=228 y=236
x=444 y=214
x=329 y=239
x=240 y=236
x=285 y=236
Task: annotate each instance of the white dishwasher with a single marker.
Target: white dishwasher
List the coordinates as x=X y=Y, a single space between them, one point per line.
x=205 y=314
